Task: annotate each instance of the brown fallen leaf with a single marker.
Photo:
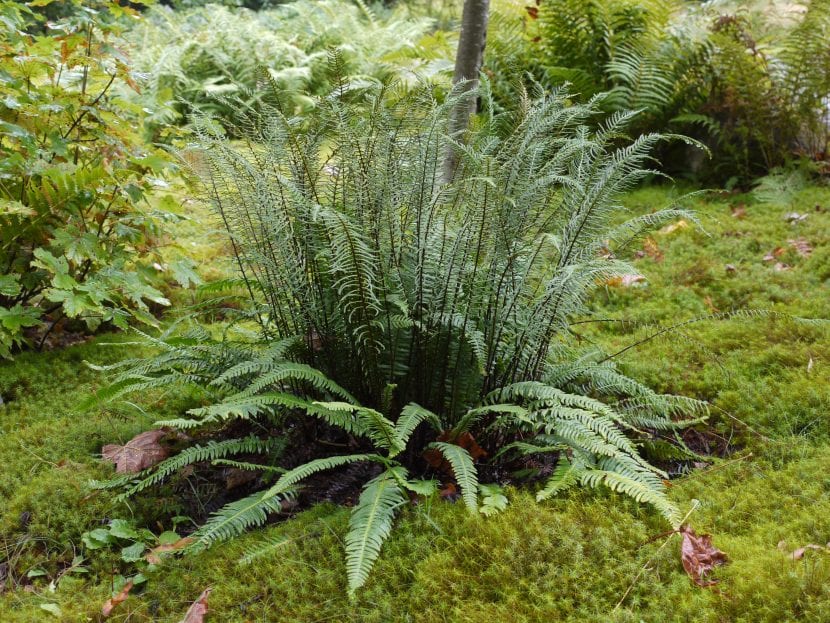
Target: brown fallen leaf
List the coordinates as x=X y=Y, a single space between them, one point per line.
x=801 y=246
x=198 y=609
x=625 y=281
x=122 y=595
x=140 y=452
x=436 y=459
x=739 y=211
x=699 y=556
x=450 y=492
x=153 y=556
x=651 y=249
x=775 y=253
x=669 y=229
x=235 y=477
x=707 y=300
x=799 y=553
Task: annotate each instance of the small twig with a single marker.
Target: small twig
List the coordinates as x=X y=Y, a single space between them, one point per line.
x=644 y=568
x=714 y=468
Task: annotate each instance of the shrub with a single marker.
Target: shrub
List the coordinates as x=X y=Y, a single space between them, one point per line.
x=74 y=242
x=755 y=91
x=403 y=318
x=767 y=102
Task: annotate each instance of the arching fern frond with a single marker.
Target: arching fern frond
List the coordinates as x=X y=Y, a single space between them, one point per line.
x=369 y=526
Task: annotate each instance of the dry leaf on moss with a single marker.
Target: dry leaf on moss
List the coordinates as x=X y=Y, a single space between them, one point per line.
x=799 y=553
x=775 y=253
x=670 y=229
x=801 y=246
x=699 y=556
x=198 y=609
x=739 y=211
x=140 y=452
x=122 y=595
x=626 y=281
x=153 y=556
x=651 y=249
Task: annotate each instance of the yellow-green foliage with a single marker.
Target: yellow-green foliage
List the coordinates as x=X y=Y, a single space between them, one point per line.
x=570 y=559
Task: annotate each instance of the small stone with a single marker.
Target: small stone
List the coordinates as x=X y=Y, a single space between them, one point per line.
x=730 y=268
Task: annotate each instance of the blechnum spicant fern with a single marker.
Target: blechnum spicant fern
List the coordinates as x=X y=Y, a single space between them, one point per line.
x=402 y=313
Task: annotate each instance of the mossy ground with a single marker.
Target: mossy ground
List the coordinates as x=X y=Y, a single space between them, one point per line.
x=572 y=559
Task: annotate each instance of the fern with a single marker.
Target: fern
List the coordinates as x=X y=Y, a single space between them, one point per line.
x=387 y=298
x=463 y=469
x=370 y=523
x=266 y=547
x=565 y=475
x=209 y=452
x=237 y=517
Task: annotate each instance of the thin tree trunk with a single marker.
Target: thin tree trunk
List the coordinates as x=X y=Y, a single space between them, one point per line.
x=468 y=60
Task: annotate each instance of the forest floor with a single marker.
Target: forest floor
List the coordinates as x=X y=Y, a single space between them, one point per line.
x=588 y=556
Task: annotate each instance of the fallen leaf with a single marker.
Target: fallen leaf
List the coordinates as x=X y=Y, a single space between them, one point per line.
x=780 y=267
x=625 y=281
x=198 y=609
x=707 y=300
x=122 y=595
x=450 y=492
x=140 y=452
x=801 y=246
x=699 y=556
x=810 y=365
x=794 y=217
x=775 y=253
x=731 y=268
x=668 y=229
x=235 y=477
x=153 y=556
x=651 y=249
x=739 y=211
x=799 y=553
x=436 y=459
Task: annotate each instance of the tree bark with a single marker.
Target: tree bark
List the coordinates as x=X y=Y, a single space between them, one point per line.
x=468 y=60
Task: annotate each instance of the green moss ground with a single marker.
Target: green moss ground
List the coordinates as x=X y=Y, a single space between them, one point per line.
x=572 y=559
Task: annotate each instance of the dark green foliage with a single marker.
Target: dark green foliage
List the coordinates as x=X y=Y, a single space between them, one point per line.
x=769 y=101
x=757 y=99
x=75 y=240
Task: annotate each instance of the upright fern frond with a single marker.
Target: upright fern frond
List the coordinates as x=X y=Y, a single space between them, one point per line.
x=463 y=469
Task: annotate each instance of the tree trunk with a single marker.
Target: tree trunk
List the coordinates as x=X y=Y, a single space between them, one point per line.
x=468 y=61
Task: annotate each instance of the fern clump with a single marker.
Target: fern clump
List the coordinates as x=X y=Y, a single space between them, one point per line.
x=402 y=316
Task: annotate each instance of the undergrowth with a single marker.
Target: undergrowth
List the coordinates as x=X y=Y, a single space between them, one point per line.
x=570 y=559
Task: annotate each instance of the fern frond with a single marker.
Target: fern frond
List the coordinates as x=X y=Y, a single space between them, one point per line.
x=370 y=523
x=411 y=416
x=237 y=517
x=463 y=469
x=301 y=472
x=565 y=475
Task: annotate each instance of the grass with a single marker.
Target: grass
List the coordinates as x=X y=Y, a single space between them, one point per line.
x=572 y=559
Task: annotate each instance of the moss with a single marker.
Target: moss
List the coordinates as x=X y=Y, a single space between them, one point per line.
x=572 y=559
